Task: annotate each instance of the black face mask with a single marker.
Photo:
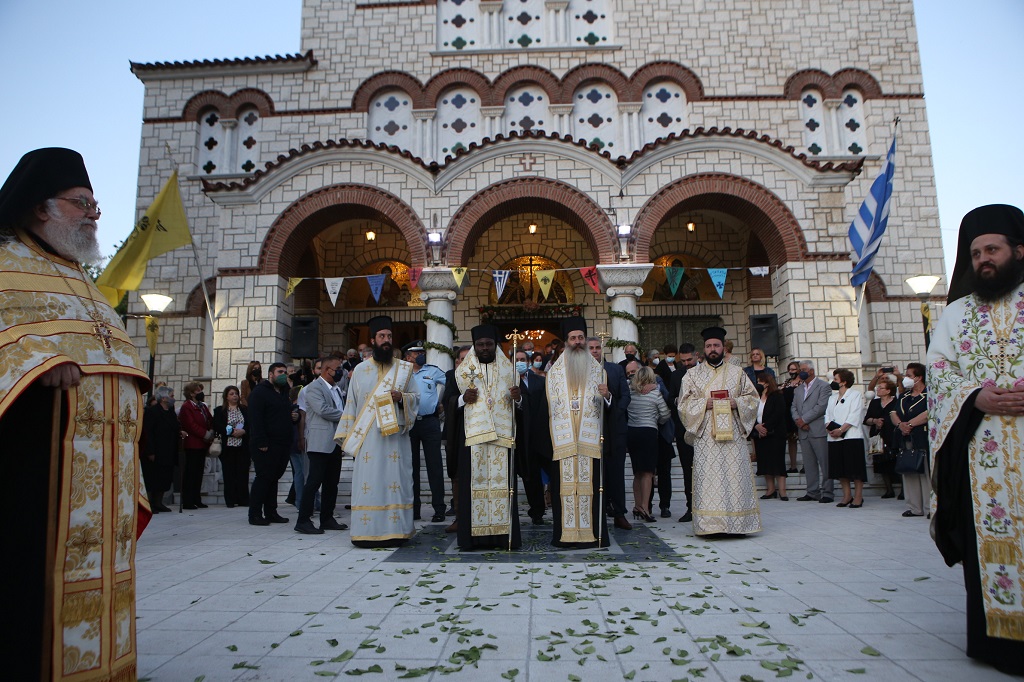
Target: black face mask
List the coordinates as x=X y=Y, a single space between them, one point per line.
x=338 y=374
x=631 y=357
x=200 y=397
x=793 y=375
x=257 y=374
x=834 y=385
x=760 y=389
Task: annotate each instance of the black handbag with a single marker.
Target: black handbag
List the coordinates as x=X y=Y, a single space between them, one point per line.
x=910 y=460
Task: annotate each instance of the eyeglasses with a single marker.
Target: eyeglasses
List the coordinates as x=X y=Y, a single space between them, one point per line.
x=84 y=204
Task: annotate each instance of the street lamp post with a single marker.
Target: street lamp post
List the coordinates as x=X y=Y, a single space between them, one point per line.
x=156 y=304
x=922 y=286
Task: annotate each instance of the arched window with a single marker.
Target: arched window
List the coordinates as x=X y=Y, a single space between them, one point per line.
x=524 y=23
x=812 y=113
x=458 y=121
x=210 y=143
x=595 y=117
x=663 y=111
x=247 y=153
x=851 y=123
x=526 y=109
x=390 y=120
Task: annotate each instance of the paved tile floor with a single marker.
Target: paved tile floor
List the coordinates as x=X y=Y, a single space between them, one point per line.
x=827 y=593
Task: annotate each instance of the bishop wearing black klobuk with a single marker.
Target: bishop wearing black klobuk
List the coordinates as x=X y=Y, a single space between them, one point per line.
x=488 y=401
x=576 y=418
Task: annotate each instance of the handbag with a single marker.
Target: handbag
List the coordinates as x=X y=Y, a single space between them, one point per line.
x=215 y=448
x=910 y=460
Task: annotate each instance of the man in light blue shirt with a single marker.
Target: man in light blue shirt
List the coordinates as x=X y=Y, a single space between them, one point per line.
x=429 y=382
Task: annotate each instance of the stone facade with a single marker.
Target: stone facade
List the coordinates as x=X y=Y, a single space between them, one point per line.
x=610 y=126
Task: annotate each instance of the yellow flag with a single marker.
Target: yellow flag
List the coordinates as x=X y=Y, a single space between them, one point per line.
x=162 y=228
x=292 y=283
x=459 y=274
x=152 y=333
x=545 y=278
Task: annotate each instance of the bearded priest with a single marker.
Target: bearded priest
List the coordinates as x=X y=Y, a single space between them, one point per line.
x=70 y=421
x=489 y=399
x=577 y=391
x=975 y=379
x=381 y=408
x=718 y=408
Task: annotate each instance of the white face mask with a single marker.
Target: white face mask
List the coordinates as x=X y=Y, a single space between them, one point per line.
x=908 y=383
x=655 y=361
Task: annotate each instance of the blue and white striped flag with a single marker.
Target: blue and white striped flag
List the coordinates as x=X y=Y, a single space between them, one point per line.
x=867 y=228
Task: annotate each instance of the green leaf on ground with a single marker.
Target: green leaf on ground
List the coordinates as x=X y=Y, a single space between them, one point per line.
x=857 y=671
x=244 y=665
x=510 y=675
x=231 y=647
x=267 y=561
x=870 y=651
x=283 y=575
x=343 y=656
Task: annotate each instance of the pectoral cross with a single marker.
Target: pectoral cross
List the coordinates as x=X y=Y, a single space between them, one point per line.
x=102 y=331
x=472 y=375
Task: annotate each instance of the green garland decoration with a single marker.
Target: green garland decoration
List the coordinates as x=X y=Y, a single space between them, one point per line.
x=623 y=315
x=430 y=345
x=620 y=343
x=440 y=320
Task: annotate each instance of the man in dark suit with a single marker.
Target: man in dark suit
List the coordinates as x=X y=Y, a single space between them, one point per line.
x=533 y=443
x=685 y=359
x=450 y=403
x=614 y=452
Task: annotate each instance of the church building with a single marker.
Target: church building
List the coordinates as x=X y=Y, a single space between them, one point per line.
x=657 y=166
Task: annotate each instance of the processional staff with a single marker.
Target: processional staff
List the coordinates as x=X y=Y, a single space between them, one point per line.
x=600 y=490
x=515 y=337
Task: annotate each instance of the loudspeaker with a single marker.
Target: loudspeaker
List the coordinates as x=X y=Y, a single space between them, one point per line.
x=764 y=334
x=305 y=336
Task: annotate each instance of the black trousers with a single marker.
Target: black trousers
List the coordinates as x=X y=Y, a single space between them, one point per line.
x=270 y=466
x=615 y=474
x=528 y=468
x=324 y=470
x=427 y=432
x=192 y=477
x=686 y=461
x=235 y=463
x=664 y=472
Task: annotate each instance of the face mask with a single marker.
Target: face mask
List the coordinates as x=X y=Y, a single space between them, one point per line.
x=521 y=367
x=281 y=380
x=834 y=385
x=421 y=359
x=656 y=361
x=760 y=389
x=539 y=364
x=338 y=374
x=804 y=376
x=671 y=359
x=793 y=375
x=529 y=353
x=631 y=356
x=257 y=374
x=908 y=383
x=200 y=397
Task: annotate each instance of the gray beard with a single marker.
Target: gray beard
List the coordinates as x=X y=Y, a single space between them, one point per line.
x=577 y=366
x=70 y=238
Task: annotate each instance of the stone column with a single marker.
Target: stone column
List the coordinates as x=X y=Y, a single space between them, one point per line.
x=623 y=285
x=562 y=116
x=439 y=292
x=632 y=128
x=557 y=21
x=425 y=132
x=492 y=120
x=492 y=30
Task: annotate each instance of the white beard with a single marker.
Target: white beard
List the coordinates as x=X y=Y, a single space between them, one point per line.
x=72 y=238
x=577 y=366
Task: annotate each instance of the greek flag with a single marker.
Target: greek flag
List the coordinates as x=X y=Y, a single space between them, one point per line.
x=867 y=228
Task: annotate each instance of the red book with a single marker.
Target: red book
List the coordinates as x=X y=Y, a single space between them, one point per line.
x=720 y=395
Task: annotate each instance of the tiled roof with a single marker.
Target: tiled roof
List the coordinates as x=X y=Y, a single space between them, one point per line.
x=852 y=166
x=140 y=68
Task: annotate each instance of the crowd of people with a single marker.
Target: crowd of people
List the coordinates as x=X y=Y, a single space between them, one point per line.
x=71 y=420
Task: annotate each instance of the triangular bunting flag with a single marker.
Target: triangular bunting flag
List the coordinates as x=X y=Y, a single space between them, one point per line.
x=292 y=283
x=376 y=283
x=718 y=279
x=500 y=280
x=759 y=271
x=414 y=277
x=590 y=277
x=674 y=276
x=545 y=278
x=459 y=274
x=333 y=285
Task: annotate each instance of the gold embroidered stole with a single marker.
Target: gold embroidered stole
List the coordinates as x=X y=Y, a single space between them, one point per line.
x=488 y=431
x=379 y=408
x=576 y=427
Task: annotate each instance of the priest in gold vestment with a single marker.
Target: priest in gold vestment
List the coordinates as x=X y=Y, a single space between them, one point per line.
x=718 y=406
x=578 y=395
x=70 y=422
x=975 y=375
x=489 y=400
